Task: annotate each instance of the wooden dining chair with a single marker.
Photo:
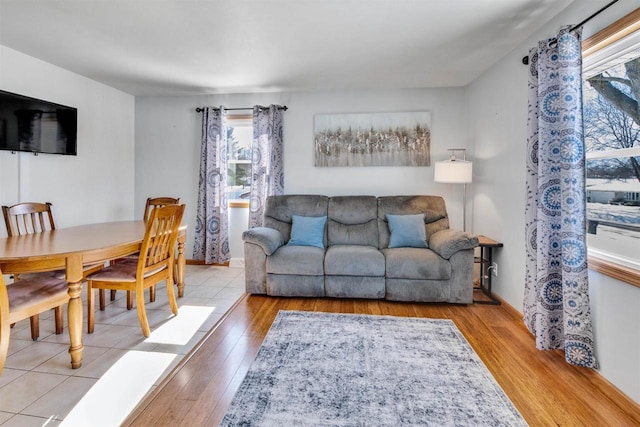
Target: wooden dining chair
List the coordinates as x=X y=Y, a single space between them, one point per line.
x=27 y=218
x=154 y=264
x=151 y=204
x=35 y=217
x=157 y=202
x=28 y=298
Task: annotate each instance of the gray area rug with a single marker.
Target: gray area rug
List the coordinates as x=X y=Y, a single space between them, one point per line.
x=322 y=369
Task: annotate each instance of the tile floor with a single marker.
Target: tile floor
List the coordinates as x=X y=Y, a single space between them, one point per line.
x=39 y=388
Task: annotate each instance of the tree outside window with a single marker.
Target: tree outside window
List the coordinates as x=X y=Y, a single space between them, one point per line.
x=612 y=139
x=239 y=141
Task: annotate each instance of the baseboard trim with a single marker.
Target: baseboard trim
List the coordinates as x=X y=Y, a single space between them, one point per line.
x=199 y=262
x=236 y=263
x=233 y=263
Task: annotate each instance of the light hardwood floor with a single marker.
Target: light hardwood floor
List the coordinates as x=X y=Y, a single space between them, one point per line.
x=545 y=389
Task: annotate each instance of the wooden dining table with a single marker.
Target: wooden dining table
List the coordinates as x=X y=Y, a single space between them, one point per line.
x=72 y=248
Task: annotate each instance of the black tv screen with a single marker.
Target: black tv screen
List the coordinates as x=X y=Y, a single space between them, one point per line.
x=37 y=126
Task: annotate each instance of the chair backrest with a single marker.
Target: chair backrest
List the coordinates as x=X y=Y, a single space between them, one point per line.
x=159 y=243
x=27 y=218
x=158 y=202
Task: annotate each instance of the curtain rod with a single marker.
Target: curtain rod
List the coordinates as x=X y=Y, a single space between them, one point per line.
x=201 y=109
x=525 y=59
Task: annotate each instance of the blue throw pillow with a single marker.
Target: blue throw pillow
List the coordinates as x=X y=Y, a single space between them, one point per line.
x=307 y=231
x=407 y=231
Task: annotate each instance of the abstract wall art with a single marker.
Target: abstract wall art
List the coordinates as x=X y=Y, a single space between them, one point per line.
x=373 y=139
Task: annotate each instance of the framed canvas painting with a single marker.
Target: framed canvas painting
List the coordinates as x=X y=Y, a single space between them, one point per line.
x=373 y=139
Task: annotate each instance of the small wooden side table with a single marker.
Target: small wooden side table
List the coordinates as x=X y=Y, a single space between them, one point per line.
x=485 y=260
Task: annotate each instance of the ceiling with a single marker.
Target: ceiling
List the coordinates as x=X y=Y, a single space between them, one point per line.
x=192 y=47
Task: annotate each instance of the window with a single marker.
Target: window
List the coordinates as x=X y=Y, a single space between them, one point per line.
x=239 y=141
x=611 y=91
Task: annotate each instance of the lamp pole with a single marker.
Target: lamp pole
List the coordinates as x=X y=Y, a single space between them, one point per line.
x=464 y=207
x=464 y=197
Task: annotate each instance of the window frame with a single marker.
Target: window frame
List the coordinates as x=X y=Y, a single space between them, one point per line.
x=244 y=119
x=613 y=33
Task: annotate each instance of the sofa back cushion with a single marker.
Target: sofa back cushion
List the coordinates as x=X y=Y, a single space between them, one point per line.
x=433 y=207
x=352 y=220
x=279 y=211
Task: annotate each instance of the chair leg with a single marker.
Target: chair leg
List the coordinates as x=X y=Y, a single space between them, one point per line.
x=5 y=330
x=142 y=314
x=101 y=299
x=112 y=291
x=35 y=326
x=171 y=295
x=130 y=300
x=90 y=309
x=152 y=293
x=58 y=319
x=175 y=273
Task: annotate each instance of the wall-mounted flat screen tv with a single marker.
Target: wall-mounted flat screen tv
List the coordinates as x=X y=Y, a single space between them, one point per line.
x=36 y=126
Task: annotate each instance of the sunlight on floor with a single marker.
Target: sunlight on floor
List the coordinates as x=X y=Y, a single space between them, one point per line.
x=117 y=393
x=181 y=328
x=119 y=390
x=48 y=422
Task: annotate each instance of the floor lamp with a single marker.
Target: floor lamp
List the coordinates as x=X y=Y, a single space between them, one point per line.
x=456 y=171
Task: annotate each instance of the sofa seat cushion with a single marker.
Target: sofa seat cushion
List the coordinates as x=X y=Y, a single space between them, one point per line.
x=354 y=260
x=415 y=263
x=300 y=260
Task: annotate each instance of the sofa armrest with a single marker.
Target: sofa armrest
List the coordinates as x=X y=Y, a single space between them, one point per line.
x=269 y=239
x=447 y=242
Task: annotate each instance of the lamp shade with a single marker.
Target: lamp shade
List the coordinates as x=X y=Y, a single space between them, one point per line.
x=453 y=171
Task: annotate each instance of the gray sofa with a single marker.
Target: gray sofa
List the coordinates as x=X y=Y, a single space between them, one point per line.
x=356 y=261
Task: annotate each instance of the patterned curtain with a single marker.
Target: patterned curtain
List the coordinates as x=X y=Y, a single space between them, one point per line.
x=556 y=303
x=212 y=226
x=267 y=169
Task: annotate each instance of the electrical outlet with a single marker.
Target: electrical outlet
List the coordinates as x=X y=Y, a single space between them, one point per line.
x=494 y=269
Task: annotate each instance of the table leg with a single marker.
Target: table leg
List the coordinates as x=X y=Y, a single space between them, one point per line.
x=182 y=237
x=74 y=277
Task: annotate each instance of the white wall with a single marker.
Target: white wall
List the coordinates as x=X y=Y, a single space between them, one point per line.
x=94 y=186
x=497 y=104
x=168 y=145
